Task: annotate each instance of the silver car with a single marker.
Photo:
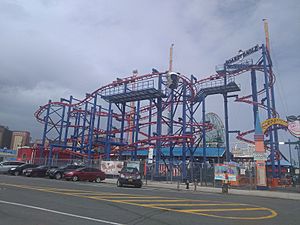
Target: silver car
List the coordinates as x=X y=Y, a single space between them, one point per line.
x=5 y=166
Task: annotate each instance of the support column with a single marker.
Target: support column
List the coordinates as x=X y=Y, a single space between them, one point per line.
x=108 y=131
x=184 y=172
x=158 y=128
x=269 y=109
x=137 y=118
x=62 y=124
x=227 y=146
x=68 y=121
x=83 y=127
x=171 y=160
x=204 y=131
x=254 y=95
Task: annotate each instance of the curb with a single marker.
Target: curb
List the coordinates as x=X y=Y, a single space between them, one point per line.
x=258 y=193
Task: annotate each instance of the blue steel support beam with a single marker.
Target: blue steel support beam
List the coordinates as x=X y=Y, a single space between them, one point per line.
x=171 y=130
x=46 y=118
x=254 y=94
x=68 y=121
x=83 y=127
x=137 y=118
x=275 y=129
x=123 y=122
x=227 y=151
x=150 y=119
x=91 y=130
x=62 y=123
x=184 y=99
x=133 y=132
x=158 y=128
x=98 y=122
x=269 y=108
x=108 y=130
x=76 y=129
x=204 y=131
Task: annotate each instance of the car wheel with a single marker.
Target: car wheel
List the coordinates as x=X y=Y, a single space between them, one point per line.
x=75 y=178
x=58 y=176
x=16 y=173
x=98 y=180
x=119 y=184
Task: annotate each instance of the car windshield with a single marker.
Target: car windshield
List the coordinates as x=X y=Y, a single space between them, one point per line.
x=129 y=170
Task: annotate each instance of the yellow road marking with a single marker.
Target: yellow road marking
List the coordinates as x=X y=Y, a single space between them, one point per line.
x=100 y=194
x=132 y=202
x=224 y=210
x=166 y=200
x=187 y=204
x=133 y=197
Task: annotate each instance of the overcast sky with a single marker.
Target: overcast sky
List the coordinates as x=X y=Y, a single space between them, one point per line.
x=53 y=49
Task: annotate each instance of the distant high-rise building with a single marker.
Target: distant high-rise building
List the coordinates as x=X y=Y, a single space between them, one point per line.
x=19 y=139
x=5 y=137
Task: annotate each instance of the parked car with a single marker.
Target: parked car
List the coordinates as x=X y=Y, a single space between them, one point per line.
x=90 y=174
x=5 y=166
x=39 y=171
x=19 y=169
x=58 y=173
x=129 y=176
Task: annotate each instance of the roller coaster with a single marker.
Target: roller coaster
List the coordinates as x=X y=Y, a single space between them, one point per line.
x=160 y=111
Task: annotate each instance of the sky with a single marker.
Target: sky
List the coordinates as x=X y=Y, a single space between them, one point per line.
x=53 y=49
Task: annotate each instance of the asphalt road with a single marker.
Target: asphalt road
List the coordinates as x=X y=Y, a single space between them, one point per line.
x=40 y=201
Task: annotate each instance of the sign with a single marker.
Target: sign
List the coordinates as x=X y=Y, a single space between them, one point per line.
x=231 y=170
x=270 y=122
x=243 y=150
x=242 y=55
x=261 y=178
x=150 y=155
x=294 y=125
x=8 y=151
x=260 y=156
x=111 y=167
x=134 y=164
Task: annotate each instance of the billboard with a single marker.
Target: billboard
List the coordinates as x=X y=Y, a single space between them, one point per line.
x=231 y=169
x=111 y=167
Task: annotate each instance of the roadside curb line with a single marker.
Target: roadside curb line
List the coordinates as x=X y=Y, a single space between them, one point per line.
x=258 y=193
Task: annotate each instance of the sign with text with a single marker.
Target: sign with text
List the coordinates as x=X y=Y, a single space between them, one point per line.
x=111 y=167
x=260 y=156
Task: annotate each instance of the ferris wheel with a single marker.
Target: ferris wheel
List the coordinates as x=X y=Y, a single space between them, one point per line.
x=216 y=136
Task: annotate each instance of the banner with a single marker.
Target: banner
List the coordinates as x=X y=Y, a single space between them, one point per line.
x=111 y=167
x=231 y=170
x=134 y=164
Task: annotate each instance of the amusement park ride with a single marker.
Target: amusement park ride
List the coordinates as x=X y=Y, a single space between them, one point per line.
x=159 y=111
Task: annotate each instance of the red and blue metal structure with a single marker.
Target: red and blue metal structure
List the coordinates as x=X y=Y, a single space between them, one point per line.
x=98 y=125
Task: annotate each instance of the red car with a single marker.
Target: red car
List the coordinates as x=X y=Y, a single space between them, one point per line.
x=85 y=173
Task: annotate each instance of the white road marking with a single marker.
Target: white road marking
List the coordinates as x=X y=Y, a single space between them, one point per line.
x=62 y=213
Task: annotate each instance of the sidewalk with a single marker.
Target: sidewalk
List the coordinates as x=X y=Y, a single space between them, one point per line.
x=182 y=187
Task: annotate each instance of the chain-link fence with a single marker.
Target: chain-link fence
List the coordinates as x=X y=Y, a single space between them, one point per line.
x=61 y=162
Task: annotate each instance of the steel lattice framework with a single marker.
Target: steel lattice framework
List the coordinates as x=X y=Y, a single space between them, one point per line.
x=142 y=111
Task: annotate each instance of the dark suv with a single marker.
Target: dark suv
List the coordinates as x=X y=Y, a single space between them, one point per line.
x=129 y=176
x=58 y=173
